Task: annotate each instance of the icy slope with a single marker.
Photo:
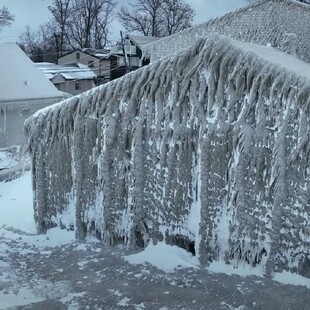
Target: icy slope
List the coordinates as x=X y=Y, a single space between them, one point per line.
x=281 y=23
x=208 y=149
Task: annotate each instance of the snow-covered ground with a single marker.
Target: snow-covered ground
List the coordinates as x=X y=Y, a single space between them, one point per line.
x=53 y=271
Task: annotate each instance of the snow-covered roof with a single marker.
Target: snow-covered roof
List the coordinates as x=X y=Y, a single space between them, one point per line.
x=20 y=80
x=97 y=53
x=263 y=22
x=68 y=72
x=142 y=40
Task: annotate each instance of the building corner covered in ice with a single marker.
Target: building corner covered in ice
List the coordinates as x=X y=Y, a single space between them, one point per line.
x=207 y=149
x=23 y=91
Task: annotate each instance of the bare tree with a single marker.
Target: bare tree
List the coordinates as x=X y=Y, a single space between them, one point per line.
x=89 y=21
x=177 y=16
x=156 y=17
x=101 y=28
x=75 y=24
x=6 y=18
x=38 y=44
x=30 y=41
x=143 y=16
x=61 y=11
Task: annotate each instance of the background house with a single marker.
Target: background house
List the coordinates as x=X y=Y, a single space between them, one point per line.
x=127 y=55
x=73 y=79
x=108 y=65
x=97 y=60
x=23 y=91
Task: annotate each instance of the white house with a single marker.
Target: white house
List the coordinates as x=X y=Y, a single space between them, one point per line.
x=73 y=79
x=97 y=60
x=132 y=45
x=23 y=91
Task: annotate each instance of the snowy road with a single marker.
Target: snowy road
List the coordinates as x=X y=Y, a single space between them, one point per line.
x=91 y=276
x=54 y=272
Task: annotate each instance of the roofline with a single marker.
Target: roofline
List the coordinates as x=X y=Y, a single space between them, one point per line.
x=130 y=37
x=76 y=79
x=9 y=101
x=79 y=50
x=228 y=15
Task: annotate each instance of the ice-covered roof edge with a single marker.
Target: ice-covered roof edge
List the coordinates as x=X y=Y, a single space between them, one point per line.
x=238 y=51
x=227 y=16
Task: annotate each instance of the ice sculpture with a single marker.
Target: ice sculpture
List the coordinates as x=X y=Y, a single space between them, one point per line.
x=208 y=149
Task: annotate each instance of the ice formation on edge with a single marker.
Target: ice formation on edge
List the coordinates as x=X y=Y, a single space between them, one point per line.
x=263 y=22
x=210 y=147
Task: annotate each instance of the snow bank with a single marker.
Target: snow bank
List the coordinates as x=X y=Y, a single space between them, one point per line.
x=22 y=298
x=292 y=279
x=164 y=257
x=16 y=204
x=207 y=150
x=16 y=215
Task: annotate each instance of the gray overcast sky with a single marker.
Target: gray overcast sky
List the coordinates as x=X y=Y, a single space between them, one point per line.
x=35 y=12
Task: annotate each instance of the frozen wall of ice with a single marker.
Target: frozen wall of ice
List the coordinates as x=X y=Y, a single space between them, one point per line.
x=210 y=147
x=284 y=24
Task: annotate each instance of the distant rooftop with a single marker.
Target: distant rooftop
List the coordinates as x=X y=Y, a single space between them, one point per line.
x=96 y=52
x=68 y=72
x=20 y=80
x=142 y=40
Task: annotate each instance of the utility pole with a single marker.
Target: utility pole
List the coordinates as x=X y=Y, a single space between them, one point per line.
x=126 y=58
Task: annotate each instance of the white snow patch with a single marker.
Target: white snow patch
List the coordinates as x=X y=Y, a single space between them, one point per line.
x=7 y=160
x=16 y=204
x=16 y=214
x=243 y=270
x=71 y=296
x=47 y=253
x=23 y=297
x=291 y=278
x=82 y=247
x=274 y=56
x=139 y=306
x=164 y=257
x=124 y=302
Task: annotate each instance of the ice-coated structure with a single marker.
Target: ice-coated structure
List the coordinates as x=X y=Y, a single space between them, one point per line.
x=23 y=91
x=284 y=24
x=207 y=149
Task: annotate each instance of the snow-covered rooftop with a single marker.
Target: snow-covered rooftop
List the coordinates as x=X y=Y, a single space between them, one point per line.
x=278 y=58
x=264 y=22
x=97 y=52
x=68 y=72
x=142 y=40
x=20 y=80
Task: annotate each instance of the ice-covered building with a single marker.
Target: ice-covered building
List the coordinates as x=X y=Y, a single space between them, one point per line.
x=284 y=24
x=208 y=149
x=23 y=91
